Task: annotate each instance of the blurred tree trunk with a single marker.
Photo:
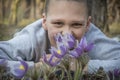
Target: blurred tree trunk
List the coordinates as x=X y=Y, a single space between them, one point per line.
x=2 y=10
x=39 y=8
x=34 y=6
x=1 y=18
x=13 y=13
x=33 y=12
x=98 y=11
x=38 y=2
x=113 y=10
x=114 y=16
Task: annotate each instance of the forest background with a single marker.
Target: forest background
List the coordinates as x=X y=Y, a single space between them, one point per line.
x=16 y=14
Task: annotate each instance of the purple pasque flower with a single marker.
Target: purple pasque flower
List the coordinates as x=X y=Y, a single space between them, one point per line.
x=117 y=72
x=77 y=52
x=81 y=48
x=51 y=61
x=69 y=41
x=83 y=43
x=60 y=52
x=20 y=70
x=59 y=38
x=3 y=62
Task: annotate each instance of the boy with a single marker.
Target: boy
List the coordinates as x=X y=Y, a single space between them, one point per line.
x=64 y=16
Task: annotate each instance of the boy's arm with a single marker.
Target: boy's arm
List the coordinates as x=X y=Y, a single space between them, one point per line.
x=106 y=52
x=27 y=45
x=108 y=65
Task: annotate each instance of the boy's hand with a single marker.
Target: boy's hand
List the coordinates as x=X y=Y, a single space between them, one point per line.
x=74 y=68
x=85 y=68
x=38 y=64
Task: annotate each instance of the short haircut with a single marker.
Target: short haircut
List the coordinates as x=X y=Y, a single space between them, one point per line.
x=47 y=2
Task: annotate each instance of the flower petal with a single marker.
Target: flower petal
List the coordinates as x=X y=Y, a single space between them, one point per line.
x=20 y=69
x=83 y=42
x=70 y=40
x=50 y=61
x=25 y=65
x=60 y=52
x=63 y=49
x=3 y=62
x=52 y=64
x=55 y=53
x=51 y=58
x=88 y=47
x=71 y=44
x=44 y=57
x=76 y=52
x=59 y=38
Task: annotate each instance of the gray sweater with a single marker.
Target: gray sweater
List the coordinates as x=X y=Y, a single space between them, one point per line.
x=30 y=42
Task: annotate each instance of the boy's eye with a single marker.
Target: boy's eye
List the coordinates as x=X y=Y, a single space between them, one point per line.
x=58 y=24
x=77 y=25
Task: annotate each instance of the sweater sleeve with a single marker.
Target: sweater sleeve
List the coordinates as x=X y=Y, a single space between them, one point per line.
x=106 y=51
x=27 y=45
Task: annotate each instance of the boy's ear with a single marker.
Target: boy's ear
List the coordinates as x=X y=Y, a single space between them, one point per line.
x=88 y=23
x=44 y=22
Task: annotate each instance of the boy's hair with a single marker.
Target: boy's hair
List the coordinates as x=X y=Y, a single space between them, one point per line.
x=47 y=2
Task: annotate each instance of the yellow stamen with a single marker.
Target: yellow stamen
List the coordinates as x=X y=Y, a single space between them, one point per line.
x=58 y=51
x=21 y=67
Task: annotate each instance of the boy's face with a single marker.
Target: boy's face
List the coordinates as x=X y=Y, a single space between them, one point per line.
x=65 y=17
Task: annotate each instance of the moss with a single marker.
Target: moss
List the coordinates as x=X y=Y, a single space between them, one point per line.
x=25 y=22
x=7 y=31
x=115 y=28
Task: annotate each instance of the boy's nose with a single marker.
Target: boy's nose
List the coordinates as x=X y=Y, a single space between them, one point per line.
x=66 y=31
